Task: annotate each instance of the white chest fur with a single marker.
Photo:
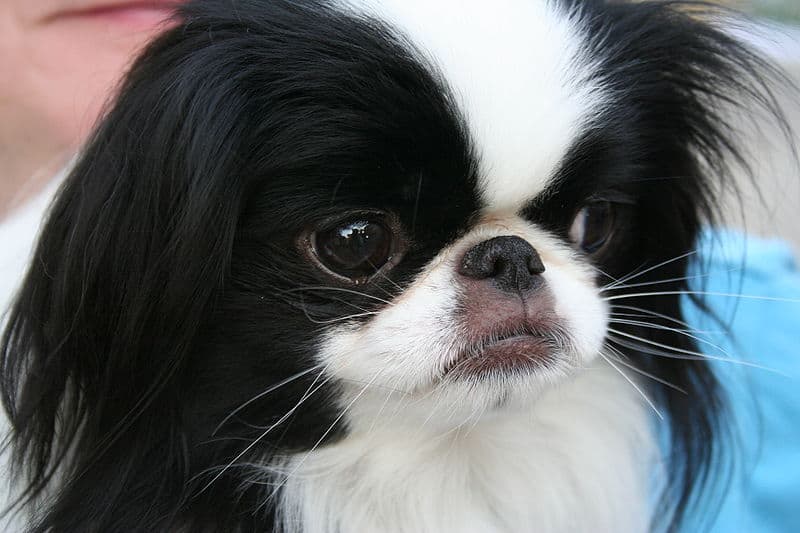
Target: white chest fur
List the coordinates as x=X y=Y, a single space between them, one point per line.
x=578 y=460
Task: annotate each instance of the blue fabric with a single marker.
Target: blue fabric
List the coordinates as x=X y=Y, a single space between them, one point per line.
x=764 y=496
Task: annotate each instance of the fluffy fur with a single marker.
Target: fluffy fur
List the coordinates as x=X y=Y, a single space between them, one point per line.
x=178 y=358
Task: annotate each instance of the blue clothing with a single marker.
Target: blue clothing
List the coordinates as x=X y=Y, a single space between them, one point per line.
x=764 y=496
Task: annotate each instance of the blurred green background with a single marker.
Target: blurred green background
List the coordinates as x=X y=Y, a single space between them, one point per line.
x=781 y=10
x=770 y=202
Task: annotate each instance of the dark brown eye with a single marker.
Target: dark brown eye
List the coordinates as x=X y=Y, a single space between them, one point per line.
x=354 y=249
x=593 y=225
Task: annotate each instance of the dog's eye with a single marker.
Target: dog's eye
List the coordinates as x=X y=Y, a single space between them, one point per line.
x=593 y=225
x=356 y=248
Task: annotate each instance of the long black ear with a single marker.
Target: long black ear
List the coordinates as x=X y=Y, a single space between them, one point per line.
x=691 y=78
x=134 y=251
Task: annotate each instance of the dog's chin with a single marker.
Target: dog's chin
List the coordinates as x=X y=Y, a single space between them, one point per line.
x=508 y=373
x=505 y=376
x=509 y=368
x=522 y=351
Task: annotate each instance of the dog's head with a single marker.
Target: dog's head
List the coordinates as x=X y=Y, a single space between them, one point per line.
x=298 y=213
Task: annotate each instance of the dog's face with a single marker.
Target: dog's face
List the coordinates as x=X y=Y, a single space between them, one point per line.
x=487 y=309
x=431 y=251
x=429 y=225
x=300 y=218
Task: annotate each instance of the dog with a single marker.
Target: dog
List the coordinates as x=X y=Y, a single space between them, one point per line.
x=390 y=266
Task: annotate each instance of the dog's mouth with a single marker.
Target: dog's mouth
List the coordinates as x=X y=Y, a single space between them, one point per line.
x=520 y=350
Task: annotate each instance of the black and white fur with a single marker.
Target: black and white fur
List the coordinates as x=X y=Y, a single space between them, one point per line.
x=178 y=360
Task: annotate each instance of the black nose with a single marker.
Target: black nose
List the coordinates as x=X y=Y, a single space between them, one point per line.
x=510 y=261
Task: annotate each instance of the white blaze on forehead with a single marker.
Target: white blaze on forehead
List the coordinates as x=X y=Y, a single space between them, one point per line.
x=519 y=72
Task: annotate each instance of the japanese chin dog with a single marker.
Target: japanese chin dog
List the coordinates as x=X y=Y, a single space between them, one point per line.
x=384 y=266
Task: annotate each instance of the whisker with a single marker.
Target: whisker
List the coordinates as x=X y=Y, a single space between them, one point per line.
x=282 y=419
x=408 y=401
x=661 y=345
x=387 y=278
x=690 y=356
x=621 y=283
x=478 y=415
x=636 y=274
x=380 y=412
x=657 y=282
x=339 y=289
x=430 y=416
x=324 y=435
x=341 y=318
x=336 y=190
x=416 y=203
x=370 y=384
x=653 y=313
x=620 y=360
x=645 y=319
x=629 y=380
x=606 y=274
x=703 y=293
x=265 y=392
x=667 y=328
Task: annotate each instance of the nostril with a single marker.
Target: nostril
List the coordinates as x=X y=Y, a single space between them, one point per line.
x=535 y=265
x=478 y=264
x=500 y=265
x=511 y=262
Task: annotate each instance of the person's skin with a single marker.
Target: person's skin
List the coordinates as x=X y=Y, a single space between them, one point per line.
x=59 y=63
